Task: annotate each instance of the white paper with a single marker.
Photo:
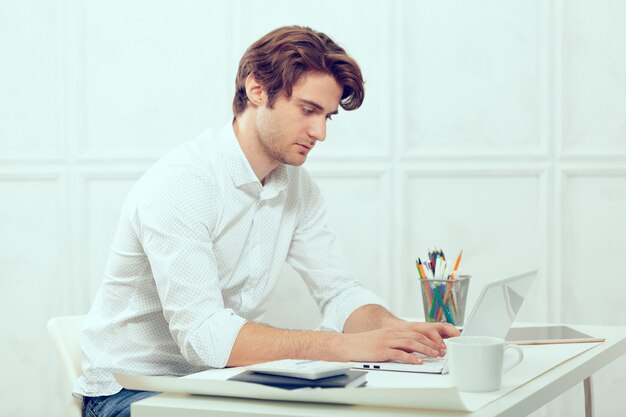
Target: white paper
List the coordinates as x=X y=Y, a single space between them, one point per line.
x=384 y=388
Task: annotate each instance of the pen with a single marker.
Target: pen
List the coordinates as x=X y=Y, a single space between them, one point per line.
x=446 y=298
x=418 y=265
x=429 y=272
x=426 y=287
x=456 y=265
x=449 y=318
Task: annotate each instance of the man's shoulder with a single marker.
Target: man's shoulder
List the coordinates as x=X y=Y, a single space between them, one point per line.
x=299 y=177
x=195 y=157
x=192 y=166
x=302 y=189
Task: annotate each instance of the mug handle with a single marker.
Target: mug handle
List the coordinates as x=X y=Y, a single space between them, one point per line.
x=520 y=356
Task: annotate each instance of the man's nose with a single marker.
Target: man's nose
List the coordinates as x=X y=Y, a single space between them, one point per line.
x=317 y=130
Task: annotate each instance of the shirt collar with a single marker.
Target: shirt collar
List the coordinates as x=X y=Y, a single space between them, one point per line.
x=275 y=182
x=236 y=163
x=241 y=172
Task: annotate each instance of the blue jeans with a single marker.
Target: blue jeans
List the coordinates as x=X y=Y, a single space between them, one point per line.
x=116 y=405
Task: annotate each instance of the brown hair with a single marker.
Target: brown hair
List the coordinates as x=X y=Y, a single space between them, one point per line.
x=281 y=57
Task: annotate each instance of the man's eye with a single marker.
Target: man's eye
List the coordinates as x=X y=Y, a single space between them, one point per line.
x=307 y=110
x=329 y=117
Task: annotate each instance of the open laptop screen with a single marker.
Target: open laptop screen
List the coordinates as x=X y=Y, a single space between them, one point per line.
x=497 y=306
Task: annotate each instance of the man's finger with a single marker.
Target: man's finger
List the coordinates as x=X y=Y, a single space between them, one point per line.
x=422 y=338
x=411 y=346
x=401 y=356
x=447 y=330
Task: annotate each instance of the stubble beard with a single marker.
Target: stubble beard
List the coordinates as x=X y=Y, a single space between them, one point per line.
x=271 y=142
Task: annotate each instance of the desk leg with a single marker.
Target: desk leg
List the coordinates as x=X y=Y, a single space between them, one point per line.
x=588 y=397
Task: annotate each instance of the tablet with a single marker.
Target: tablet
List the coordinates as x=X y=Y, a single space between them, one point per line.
x=548 y=334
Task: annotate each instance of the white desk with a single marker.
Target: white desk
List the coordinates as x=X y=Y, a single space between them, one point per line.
x=521 y=401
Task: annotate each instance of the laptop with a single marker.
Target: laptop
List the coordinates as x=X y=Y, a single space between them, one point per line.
x=492 y=315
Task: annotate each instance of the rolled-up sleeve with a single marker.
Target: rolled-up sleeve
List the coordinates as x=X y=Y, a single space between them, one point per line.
x=176 y=218
x=315 y=254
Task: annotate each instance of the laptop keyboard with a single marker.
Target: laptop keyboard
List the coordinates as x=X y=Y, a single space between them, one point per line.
x=429 y=365
x=435 y=364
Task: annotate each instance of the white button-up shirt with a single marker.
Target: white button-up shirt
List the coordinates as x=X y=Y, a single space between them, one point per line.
x=198 y=250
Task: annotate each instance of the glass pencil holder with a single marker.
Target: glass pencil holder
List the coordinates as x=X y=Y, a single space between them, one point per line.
x=444 y=299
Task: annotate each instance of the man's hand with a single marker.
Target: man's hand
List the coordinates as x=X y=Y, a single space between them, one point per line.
x=398 y=341
x=371 y=334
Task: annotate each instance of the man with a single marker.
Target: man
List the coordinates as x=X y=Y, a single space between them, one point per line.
x=205 y=232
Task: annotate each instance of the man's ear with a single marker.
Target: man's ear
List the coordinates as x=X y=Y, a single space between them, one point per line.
x=254 y=90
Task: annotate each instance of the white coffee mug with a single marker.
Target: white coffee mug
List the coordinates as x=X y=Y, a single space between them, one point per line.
x=476 y=363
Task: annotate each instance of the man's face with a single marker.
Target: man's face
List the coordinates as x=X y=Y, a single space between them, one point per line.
x=289 y=130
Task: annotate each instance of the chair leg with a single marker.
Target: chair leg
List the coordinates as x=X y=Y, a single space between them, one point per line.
x=588 y=386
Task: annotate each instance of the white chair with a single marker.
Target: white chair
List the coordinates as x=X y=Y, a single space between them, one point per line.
x=64 y=333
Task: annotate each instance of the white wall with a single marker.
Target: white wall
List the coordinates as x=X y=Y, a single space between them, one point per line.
x=498 y=127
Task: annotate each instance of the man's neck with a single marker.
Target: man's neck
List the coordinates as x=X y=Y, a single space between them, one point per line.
x=246 y=134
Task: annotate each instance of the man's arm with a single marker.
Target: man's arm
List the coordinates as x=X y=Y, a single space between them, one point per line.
x=261 y=343
x=370 y=317
x=373 y=316
x=388 y=339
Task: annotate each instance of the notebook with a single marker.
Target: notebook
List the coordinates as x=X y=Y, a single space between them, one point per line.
x=492 y=315
x=349 y=379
